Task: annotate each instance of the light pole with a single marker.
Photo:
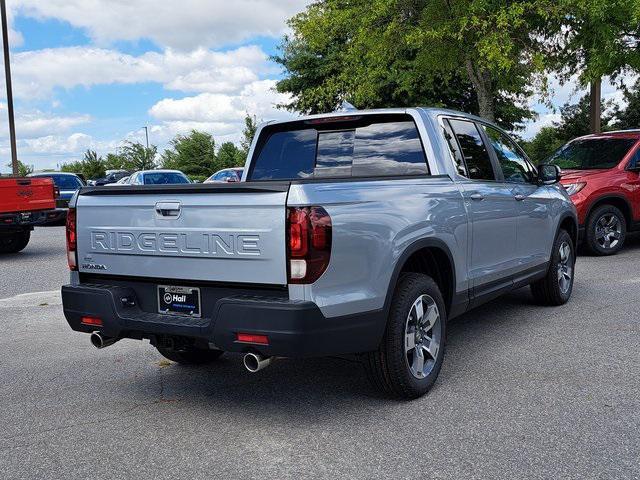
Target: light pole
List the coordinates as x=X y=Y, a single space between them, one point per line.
x=7 y=73
x=146 y=132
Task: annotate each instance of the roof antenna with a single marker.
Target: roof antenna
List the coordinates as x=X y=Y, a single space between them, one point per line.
x=346 y=107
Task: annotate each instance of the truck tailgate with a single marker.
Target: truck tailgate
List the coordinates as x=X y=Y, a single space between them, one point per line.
x=228 y=233
x=26 y=194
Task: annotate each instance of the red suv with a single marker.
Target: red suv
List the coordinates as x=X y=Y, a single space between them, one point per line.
x=602 y=175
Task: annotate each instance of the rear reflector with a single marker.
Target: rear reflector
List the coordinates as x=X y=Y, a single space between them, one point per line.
x=93 y=321
x=252 y=338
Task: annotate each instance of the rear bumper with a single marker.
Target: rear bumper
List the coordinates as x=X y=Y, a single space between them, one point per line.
x=294 y=328
x=22 y=220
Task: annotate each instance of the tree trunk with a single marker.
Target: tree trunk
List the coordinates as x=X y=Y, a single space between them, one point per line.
x=596 y=106
x=483 y=85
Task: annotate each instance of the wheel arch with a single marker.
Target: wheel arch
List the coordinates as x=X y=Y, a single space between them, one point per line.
x=569 y=223
x=618 y=201
x=432 y=257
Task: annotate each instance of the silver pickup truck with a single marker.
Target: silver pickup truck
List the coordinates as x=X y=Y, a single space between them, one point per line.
x=359 y=232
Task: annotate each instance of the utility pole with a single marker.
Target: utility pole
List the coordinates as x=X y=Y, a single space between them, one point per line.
x=7 y=73
x=146 y=132
x=596 y=106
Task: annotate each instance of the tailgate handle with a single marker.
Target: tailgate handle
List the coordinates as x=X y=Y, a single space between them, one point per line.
x=168 y=209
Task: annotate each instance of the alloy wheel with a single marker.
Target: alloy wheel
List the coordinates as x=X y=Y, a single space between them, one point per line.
x=608 y=231
x=422 y=336
x=565 y=267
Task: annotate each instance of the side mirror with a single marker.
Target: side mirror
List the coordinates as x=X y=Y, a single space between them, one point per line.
x=549 y=174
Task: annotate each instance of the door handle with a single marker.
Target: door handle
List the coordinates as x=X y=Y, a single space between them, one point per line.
x=168 y=209
x=477 y=197
x=519 y=197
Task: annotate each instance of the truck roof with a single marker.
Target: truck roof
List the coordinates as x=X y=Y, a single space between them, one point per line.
x=428 y=111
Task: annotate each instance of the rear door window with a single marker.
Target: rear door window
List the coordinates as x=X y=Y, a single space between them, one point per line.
x=367 y=146
x=475 y=153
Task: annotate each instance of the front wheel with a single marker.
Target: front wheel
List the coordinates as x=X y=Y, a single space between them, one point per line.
x=408 y=361
x=190 y=355
x=14 y=242
x=556 y=287
x=606 y=230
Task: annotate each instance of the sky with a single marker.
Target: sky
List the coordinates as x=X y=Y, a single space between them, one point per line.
x=90 y=74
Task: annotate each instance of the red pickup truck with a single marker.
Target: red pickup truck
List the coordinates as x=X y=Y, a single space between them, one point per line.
x=24 y=204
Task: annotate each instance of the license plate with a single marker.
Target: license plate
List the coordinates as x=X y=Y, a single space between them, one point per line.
x=179 y=300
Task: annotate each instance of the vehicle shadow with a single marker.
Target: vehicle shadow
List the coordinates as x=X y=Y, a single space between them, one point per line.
x=292 y=388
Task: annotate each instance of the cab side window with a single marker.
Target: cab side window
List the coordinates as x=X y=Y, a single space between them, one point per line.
x=456 y=153
x=515 y=167
x=476 y=156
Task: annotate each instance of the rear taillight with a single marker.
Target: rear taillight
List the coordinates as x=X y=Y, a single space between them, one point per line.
x=72 y=243
x=309 y=243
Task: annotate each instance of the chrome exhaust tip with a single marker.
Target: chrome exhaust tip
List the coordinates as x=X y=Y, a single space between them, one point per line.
x=98 y=341
x=255 y=362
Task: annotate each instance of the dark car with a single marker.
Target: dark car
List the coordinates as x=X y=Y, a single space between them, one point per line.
x=112 y=177
x=67 y=183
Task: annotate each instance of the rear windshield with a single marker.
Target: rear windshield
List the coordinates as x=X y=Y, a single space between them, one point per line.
x=590 y=154
x=361 y=146
x=65 y=182
x=164 y=178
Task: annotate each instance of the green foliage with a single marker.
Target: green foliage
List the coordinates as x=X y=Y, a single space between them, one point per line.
x=23 y=168
x=194 y=154
x=91 y=166
x=629 y=117
x=595 y=38
x=543 y=144
x=250 y=127
x=138 y=157
x=114 y=161
x=480 y=56
x=574 y=122
x=230 y=156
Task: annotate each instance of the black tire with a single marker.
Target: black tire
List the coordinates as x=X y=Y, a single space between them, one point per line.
x=552 y=290
x=597 y=225
x=14 y=242
x=191 y=355
x=389 y=367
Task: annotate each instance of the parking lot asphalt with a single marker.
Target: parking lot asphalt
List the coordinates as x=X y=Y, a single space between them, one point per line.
x=525 y=392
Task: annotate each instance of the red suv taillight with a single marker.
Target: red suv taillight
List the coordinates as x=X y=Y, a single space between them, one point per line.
x=309 y=243
x=72 y=245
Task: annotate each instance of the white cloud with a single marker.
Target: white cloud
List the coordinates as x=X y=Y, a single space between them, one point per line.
x=222 y=115
x=37 y=72
x=187 y=24
x=36 y=124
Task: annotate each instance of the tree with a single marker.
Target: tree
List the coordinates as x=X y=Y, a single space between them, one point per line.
x=114 y=161
x=138 y=157
x=194 y=154
x=629 y=116
x=574 y=122
x=592 y=39
x=474 y=55
x=92 y=165
x=230 y=156
x=250 y=127
x=546 y=141
x=23 y=168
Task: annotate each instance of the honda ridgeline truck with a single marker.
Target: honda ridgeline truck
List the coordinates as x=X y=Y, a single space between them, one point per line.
x=360 y=232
